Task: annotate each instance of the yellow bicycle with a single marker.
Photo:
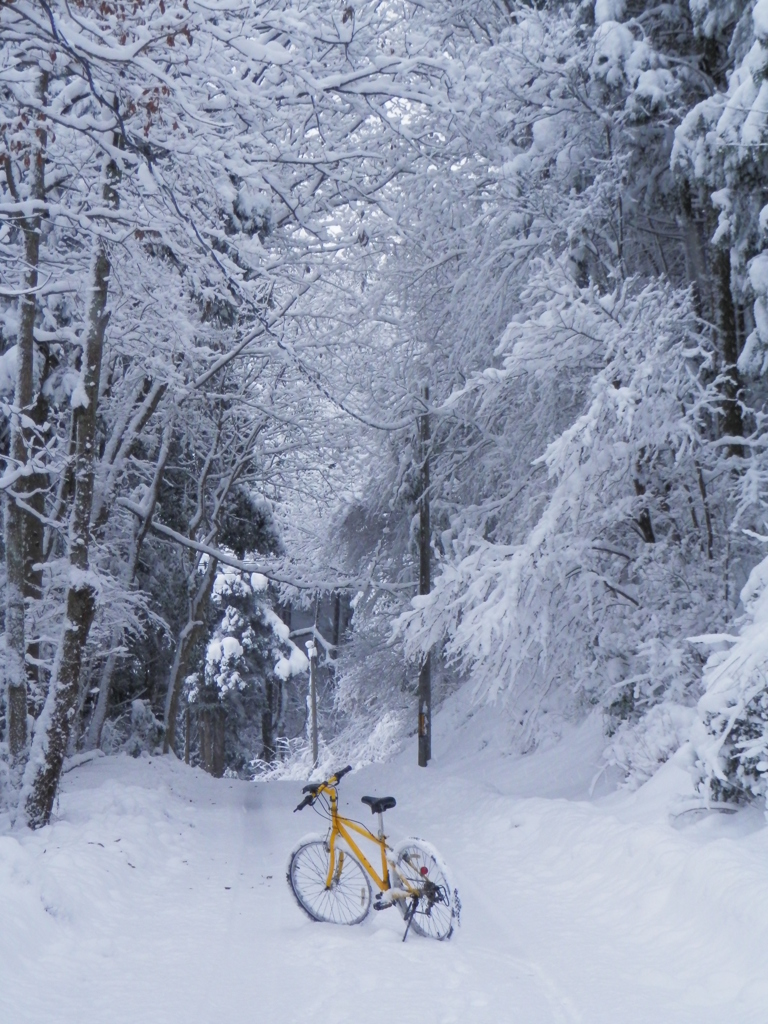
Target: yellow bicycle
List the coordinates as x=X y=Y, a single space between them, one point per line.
x=329 y=874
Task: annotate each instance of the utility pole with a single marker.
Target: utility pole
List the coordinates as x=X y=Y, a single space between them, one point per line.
x=336 y=624
x=425 y=551
x=312 y=655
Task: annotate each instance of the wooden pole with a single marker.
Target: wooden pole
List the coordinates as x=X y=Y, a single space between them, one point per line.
x=336 y=624
x=425 y=672
x=312 y=653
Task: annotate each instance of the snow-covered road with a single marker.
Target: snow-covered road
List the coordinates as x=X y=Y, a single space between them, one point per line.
x=159 y=897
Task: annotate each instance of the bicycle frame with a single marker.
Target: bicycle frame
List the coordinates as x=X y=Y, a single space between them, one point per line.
x=342 y=827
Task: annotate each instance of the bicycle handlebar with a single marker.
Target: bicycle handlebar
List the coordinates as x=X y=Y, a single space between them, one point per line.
x=313 y=787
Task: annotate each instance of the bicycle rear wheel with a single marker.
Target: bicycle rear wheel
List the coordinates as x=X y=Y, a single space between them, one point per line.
x=423 y=874
x=348 y=898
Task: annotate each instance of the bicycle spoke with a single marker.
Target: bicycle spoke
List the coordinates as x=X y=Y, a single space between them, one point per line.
x=346 y=901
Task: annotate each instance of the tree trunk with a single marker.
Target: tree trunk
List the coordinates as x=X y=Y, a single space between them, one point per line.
x=212 y=719
x=425 y=551
x=696 y=233
x=15 y=516
x=268 y=729
x=43 y=771
x=187 y=732
x=34 y=543
x=270 y=718
x=99 y=716
x=188 y=637
x=644 y=522
x=733 y=424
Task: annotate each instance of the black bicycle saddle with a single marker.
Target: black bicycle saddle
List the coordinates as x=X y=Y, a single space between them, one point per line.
x=379 y=803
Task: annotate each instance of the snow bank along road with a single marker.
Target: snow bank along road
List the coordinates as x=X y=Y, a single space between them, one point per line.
x=159 y=897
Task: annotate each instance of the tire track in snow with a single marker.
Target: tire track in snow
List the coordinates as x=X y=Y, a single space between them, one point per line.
x=563 y=1009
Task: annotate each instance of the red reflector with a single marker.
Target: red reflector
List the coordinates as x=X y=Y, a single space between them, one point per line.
x=423 y=871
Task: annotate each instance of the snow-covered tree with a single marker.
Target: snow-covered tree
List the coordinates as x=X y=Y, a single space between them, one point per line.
x=730 y=735
x=245 y=692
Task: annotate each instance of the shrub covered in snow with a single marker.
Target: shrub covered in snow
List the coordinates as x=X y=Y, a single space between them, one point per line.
x=639 y=747
x=135 y=731
x=731 y=734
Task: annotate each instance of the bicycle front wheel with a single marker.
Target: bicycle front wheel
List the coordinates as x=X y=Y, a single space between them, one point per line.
x=346 y=900
x=423 y=875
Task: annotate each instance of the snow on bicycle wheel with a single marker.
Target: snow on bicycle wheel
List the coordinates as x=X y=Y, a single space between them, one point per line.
x=423 y=872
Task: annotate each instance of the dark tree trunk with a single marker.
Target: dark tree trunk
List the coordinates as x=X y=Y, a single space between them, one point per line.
x=644 y=522
x=733 y=424
x=267 y=740
x=187 y=732
x=270 y=718
x=697 y=230
x=212 y=722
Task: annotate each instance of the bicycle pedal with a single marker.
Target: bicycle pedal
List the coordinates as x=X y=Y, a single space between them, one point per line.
x=380 y=903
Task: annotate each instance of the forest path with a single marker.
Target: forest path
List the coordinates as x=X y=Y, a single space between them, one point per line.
x=159 y=897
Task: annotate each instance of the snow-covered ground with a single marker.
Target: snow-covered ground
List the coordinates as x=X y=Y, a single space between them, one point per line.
x=159 y=897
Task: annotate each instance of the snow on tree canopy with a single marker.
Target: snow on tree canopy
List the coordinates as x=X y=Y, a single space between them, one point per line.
x=436 y=332
x=609 y=10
